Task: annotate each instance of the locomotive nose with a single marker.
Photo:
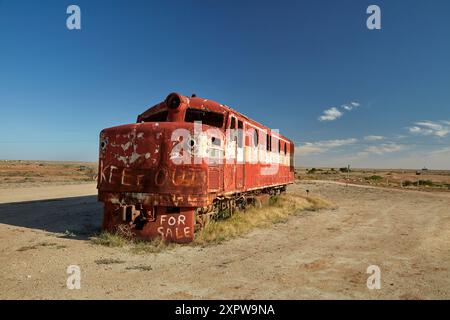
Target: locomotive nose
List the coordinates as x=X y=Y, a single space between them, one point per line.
x=132 y=146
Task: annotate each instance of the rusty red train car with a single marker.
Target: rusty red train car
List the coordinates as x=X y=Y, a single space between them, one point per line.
x=184 y=160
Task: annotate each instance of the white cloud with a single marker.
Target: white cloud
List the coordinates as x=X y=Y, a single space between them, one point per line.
x=347 y=107
x=330 y=114
x=334 y=113
x=377 y=155
x=323 y=146
x=352 y=105
x=373 y=138
x=384 y=148
x=429 y=128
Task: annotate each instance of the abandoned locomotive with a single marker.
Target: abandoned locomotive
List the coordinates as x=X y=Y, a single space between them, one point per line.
x=186 y=159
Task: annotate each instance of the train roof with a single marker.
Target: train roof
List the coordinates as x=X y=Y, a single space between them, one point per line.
x=208 y=105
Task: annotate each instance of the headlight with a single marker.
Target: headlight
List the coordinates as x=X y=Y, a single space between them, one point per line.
x=173 y=101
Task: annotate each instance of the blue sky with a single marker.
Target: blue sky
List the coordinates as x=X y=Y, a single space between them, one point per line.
x=283 y=63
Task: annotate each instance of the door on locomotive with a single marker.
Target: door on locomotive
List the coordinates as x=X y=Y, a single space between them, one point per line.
x=240 y=156
x=229 y=164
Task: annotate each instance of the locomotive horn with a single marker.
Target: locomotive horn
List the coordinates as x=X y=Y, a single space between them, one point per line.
x=173 y=101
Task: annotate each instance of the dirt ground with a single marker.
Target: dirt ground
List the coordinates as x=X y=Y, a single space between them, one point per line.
x=25 y=173
x=317 y=255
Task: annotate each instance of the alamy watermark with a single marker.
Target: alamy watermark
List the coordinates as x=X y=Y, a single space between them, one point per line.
x=374 y=280
x=73 y=21
x=209 y=146
x=374 y=20
x=74 y=278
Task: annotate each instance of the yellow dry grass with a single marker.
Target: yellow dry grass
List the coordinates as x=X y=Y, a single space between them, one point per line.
x=110 y=239
x=242 y=222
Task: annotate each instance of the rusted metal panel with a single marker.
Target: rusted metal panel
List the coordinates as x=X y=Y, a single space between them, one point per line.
x=170 y=226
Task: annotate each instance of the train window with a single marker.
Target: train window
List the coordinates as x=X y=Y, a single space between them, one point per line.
x=291 y=157
x=285 y=148
x=157 y=117
x=240 y=134
x=269 y=142
x=233 y=123
x=279 y=146
x=255 y=138
x=206 y=117
x=215 y=141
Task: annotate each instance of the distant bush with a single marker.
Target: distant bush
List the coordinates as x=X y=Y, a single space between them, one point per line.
x=407 y=183
x=374 y=178
x=427 y=183
x=312 y=170
x=344 y=169
x=90 y=173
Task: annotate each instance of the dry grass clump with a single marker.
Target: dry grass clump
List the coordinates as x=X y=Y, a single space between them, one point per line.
x=109 y=239
x=140 y=268
x=109 y=261
x=278 y=211
x=41 y=244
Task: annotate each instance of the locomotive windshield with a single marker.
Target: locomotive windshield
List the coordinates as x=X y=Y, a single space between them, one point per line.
x=157 y=117
x=206 y=117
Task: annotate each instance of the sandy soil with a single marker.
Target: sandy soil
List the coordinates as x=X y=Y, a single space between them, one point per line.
x=321 y=254
x=26 y=173
x=47 y=192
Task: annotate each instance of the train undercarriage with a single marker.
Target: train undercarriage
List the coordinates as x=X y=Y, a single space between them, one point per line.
x=228 y=204
x=178 y=223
